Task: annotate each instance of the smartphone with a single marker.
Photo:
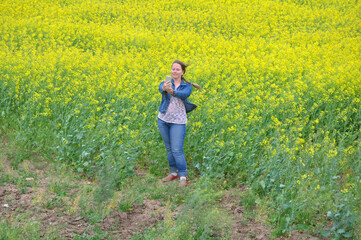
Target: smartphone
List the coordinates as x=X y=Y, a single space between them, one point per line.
x=168 y=78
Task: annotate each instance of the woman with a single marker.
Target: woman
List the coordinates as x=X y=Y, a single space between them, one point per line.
x=172 y=120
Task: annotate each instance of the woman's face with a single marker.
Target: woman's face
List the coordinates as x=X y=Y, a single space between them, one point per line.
x=177 y=71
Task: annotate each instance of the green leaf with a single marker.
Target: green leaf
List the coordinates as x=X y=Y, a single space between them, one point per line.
x=231 y=154
x=263 y=184
x=326 y=233
x=347 y=235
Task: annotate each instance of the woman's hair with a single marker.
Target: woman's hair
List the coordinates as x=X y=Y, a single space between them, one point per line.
x=184 y=66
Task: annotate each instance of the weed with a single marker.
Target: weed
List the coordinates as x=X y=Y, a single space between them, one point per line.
x=99 y=234
x=248 y=200
x=343 y=221
x=125 y=206
x=22 y=227
x=55 y=202
x=198 y=218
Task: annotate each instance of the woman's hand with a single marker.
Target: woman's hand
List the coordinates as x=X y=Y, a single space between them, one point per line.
x=167 y=86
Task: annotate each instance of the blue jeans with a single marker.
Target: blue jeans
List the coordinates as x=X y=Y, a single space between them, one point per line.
x=173 y=136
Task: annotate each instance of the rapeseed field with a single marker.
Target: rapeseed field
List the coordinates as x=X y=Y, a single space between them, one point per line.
x=280 y=111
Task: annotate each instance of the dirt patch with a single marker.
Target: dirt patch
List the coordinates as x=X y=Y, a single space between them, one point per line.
x=243 y=228
x=125 y=224
x=119 y=224
x=249 y=228
x=31 y=198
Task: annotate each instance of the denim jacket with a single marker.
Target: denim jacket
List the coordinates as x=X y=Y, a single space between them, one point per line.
x=183 y=92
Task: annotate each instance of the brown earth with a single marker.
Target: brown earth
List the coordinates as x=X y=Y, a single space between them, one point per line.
x=250 y=229
x=121 y=225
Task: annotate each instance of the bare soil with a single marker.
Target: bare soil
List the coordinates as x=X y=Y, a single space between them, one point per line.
x=245 y=228
x=121 y=225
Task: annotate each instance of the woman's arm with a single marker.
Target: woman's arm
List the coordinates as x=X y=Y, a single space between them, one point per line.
x=184 y=93
x=161 y=87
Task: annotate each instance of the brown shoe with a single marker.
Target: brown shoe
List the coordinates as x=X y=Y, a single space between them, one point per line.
x=182 y=183
x=170 y=177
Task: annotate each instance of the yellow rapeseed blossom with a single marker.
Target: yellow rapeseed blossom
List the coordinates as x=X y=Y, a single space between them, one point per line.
x=281 y=79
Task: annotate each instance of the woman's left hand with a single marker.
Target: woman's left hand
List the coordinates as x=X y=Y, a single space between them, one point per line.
x=167 y=85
